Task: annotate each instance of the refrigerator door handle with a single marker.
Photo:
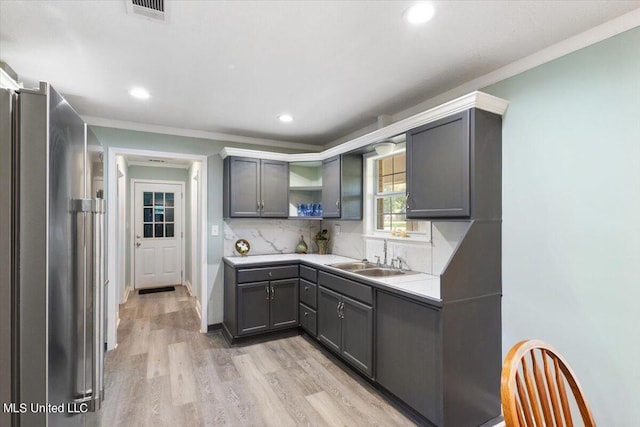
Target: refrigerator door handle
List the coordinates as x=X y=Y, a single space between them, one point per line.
x=98 y=305
x=93 y=211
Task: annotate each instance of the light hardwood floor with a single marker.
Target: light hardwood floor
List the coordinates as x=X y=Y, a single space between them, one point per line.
x=166 y=373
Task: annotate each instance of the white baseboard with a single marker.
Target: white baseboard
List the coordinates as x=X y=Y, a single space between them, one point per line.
x=127 y=291
x=187 y=284
x=198 y=308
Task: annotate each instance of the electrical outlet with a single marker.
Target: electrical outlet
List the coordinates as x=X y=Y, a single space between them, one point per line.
x=336 y=229
x=215 y=230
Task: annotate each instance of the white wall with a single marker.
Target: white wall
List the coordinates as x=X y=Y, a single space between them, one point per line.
x=571 y=234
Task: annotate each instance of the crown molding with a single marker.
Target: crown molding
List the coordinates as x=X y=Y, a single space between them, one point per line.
x=626 y=22
x=480 y=100
x=594 y=35
x=191 y=133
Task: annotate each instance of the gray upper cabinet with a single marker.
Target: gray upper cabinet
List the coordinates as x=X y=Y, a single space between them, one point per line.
x=274 y=189
x=438 y=169
x=342 y=187
x=331 y=187
x=454 y=167
x=255 y=188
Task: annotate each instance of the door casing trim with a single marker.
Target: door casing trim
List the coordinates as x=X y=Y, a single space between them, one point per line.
x=112 y=182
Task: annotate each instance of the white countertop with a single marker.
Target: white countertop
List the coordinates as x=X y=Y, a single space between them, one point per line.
x=419 y=284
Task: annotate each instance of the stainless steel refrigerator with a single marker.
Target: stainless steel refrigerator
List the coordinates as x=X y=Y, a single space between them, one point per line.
x=51 y=263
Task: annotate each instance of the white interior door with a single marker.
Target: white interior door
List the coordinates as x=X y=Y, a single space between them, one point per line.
x=157 y=234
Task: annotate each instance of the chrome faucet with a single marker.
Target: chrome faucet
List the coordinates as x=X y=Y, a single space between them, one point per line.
x=400 y=262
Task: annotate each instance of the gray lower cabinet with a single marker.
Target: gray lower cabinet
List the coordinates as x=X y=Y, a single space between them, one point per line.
x=260 y=299
x=264 y=306
x=253 y=307
x=346 y=326
x=329 y=320
x=308 y=320
x=283 y=308
x=255 y=188
x=408 y=353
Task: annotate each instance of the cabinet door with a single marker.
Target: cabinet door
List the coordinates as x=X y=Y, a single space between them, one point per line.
x=357 y=334
x=253 y=307
x=284 y=303
x=244 y=187
x=331 y=181
x=274 y=188
x=408 y=353
x=329 y=323
x=438 y=169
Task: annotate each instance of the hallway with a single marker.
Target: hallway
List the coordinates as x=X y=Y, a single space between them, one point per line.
x=165 y=372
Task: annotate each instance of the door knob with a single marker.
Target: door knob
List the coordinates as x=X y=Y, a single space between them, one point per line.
x=137 y=236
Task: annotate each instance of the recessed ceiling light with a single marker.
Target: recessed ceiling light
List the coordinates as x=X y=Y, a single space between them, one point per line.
x=285 y=118
x=139 y=93
x=419 y=13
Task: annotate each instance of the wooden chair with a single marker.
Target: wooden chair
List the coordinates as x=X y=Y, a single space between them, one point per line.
x=533 y=388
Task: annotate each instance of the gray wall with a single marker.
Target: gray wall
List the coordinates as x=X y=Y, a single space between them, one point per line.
x=111 y=137
x=571 y=236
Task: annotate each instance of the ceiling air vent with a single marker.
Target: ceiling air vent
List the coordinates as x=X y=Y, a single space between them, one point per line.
x=154 y=9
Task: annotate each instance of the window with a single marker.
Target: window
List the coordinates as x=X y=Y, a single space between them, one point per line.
x=390 y=194
x=158 y=214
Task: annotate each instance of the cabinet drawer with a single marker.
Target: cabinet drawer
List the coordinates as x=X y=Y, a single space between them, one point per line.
x=247 y=275
x=308 y=273
x=308 y=293
x=308 y=320
x=347 y=287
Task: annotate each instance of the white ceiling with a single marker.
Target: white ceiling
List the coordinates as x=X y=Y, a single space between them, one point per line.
x=233 y=66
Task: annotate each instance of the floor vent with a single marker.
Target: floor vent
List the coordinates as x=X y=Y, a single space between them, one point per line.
x=154 y=9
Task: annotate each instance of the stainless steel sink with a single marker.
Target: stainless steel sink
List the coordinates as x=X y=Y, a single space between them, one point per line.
x=380 y=272
x=350 y=266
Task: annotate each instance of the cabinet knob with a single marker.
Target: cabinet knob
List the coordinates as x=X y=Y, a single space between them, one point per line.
x=306 y=314
x=270 y=274
x=306 y=288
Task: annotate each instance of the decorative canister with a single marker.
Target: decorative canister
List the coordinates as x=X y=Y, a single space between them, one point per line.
x=301 y=248
x=322 y=246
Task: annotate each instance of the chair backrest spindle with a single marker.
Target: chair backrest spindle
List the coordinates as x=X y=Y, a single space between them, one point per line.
x=533 y=389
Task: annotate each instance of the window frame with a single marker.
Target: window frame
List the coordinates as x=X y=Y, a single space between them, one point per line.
x=423 y=232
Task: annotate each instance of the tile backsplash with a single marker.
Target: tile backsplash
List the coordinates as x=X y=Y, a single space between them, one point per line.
x=281 y=236
x=417 y=255
x=269 y=236
x=349 y=242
